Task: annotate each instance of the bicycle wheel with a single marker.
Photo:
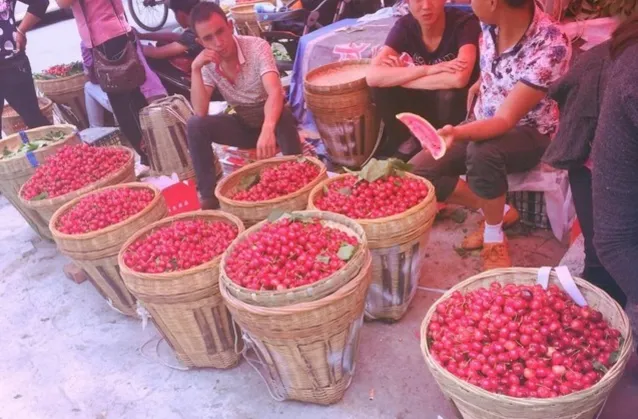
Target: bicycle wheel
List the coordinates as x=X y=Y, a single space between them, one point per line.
x=150 y=15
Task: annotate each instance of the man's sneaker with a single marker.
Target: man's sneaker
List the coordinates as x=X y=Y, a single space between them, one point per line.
x=496 y=255
x=474 y=241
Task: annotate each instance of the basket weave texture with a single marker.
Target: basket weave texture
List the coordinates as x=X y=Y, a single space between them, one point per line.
x=96 y=252
x=253 y=212
x=186 y=306
x=476 y=403
x=67 y=91
x=13 y=123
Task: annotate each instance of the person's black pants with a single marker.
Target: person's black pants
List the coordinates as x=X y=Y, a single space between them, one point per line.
x=595 y=273
x=16 y=86
x=230 y=130
x=126 y=105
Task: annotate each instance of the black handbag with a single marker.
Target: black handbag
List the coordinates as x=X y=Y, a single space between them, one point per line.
x=122 y=73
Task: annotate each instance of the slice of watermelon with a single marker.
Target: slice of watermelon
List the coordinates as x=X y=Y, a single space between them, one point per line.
x=425 y=133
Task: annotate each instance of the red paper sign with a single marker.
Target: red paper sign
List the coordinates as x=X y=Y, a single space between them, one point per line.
x=181 y=197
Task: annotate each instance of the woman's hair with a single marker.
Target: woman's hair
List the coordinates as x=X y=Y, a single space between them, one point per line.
x=625 y=35
x=185 y=6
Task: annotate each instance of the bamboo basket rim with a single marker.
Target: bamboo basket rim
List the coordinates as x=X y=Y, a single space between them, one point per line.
x=359 y=83
x=45 y=128
x=31 y=204
x=362 y=247
x=60 y=79
x=169 y=276
x=96 y=233
x=615 y=370
x=430 y=197
x=252 y=166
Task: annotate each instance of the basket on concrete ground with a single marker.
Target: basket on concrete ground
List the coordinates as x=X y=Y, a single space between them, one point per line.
x=307 y=351
x=45 y=208
x=475 y=403
x=96 y=252
x=67 y=91
x=251 y=212
x=15 y=171
x=163 y=125
x=13 y=123
x=398 y=245
x=186 y=306
x=344 y=113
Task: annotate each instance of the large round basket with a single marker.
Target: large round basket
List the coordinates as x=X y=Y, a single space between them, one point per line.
x=306 y=293
x=67 y=91
x=96 y=252
x=15 y=171
x=306 y=351
x=13 y=123
x=398 y=246
x=341 y=103
x=45 y=208
x=163 y=125
x=245 y=17
x=186 y=306
x=251 y=212
x=475 y=403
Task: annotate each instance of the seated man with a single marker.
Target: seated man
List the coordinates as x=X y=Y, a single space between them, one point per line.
x=442 y=43
x=522 y=52
x=243 y=69
x=174 y=45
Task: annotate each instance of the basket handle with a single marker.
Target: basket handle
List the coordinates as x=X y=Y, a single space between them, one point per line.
x=566 y=280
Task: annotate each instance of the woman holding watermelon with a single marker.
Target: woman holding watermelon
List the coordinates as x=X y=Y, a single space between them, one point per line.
x=522 y=52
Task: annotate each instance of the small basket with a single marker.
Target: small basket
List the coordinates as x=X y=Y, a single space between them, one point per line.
x=102 y=136
x=475 y=403
x=13 y=123
x=531 y=207
x=67 y=91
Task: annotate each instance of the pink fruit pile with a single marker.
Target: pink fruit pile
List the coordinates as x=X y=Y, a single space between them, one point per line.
x=102 y=209
x=360 y=199
x=522 y=341
x=288 y=254
x=278 y=181
x=179 y=246
x=72 y=168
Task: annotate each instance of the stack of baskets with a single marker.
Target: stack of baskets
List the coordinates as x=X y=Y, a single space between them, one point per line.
x=476 y=403
x=245 y=17
x=13 y=123
x=253 y=212
x=306 y=338
x=186 y=306
x=67 y=91
x=398 y=245
x=96 y=252
x=16 y=170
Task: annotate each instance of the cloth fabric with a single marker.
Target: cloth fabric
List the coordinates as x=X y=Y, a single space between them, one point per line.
x=97 y=101
x=104 y=20
x=189 y=40
x=594 y=272
x=438 y=107
x=540 y=58
x=16 y=86
x=578 y=94
x=461 y=28
x=255 y=60
x=615 y=169
x=486 y=164
x=8 y=47
x=231 y=130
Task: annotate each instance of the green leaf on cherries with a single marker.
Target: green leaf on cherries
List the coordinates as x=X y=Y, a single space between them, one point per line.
x=325 y=190
x=600 y=367
x=375 y=169
x=40 y=196
x=400 y=165
x=247 y=182
x=346 y=251
x=276 y=214
x=302 y=159
x=345 y=191
x=323 y=259
x=430 y=341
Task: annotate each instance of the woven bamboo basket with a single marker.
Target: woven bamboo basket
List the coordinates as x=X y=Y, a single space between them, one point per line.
x=15 y=171
x=344 y=112
x=186 y=306
x=45 y=208
x=67 y=91
x=475 y=403
x=306 y=351
x=398 y=245
x=96 y=252
x=245 y=17
x=306 y=293
x=13 y=123
x=253 y=212
x=164 y=130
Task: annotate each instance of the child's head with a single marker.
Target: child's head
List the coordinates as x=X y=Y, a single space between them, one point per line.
x=182 y=10
x=488 y=10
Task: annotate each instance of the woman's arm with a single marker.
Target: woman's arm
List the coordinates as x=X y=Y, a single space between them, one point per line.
x=173 y=49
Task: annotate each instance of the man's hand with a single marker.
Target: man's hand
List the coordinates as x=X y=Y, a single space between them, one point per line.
x=21 y=41
x=266 y=144
x=448 y=133
x=205 y=57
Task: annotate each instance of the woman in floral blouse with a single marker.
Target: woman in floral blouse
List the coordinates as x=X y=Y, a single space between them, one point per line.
x=522 y=52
